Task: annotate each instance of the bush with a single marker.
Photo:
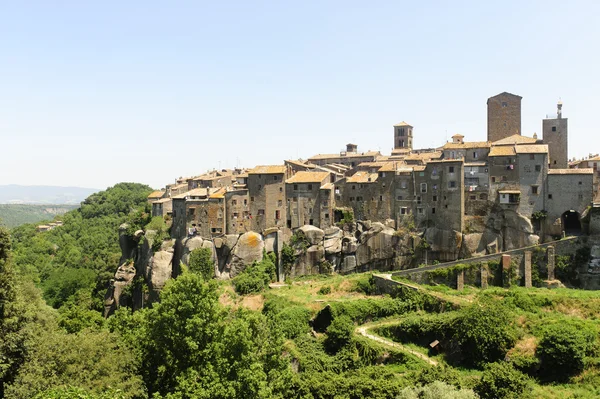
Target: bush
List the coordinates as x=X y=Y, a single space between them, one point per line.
x=484 y=334
x=501 y=381
x=255 y=277
x=562 y=350
x=325 y=290
x=437 y=390
x=366 y=284
x=339 y=333
x=201 y=262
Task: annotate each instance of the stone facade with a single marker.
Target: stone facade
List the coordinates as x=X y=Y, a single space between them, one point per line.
x=266 y=189
x=570 y=192
x=307 y=203
x=556 y=135
x=403 y=136
x=504 y=116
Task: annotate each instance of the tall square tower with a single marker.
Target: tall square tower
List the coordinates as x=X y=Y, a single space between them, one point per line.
x=556 y=135
x=403 y=136
x=504 y=116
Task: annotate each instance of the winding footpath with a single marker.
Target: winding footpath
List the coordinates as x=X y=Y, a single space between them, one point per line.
x=364 y=331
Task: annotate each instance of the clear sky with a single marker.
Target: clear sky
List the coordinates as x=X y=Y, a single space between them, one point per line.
x=97 y=92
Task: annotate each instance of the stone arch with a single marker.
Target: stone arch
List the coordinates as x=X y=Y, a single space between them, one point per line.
x=571 y=222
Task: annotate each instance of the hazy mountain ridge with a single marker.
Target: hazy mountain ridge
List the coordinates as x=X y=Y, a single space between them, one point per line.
x=49 y=195
x=13 y=215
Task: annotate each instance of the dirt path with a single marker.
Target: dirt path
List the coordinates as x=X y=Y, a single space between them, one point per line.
x=364 y=331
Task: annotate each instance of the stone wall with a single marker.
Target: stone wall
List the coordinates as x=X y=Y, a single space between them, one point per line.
x=504 y=116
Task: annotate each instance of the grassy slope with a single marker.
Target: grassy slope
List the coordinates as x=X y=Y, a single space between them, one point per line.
x=558 y=304
x=12 y=215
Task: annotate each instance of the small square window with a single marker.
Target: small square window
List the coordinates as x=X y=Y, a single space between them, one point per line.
x=451 y=169
x=538 y=168
x=534 y=190
x=452 y=184
x=532 y=156
x=310 y=186
x=580 y=183
x=435 y=198
x=554 y=128
x=399 y=198
x=420 y=211
x=432 y=210
x=504 y=104
x=295 y=187
x=549 y=196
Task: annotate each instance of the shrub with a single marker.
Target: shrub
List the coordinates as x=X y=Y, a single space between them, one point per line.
x=501 y=381
x=201 y=262
x=325 y=290
x=562 y=350
x=366 y=284
x=339 y=333
x=484 y=334
x=437 y=390
x=255 y=277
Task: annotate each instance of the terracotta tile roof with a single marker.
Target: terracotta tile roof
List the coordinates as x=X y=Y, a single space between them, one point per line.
x=467 y=164
x=397 y=151
x=308 y=177
x=220 y=193
x=156 y=194
x=424 y=156
x=419 y=168
x=362 y=177
x=391 y=166
x=532 y=149
x=347 y=155
x=502 y=151
x=505 y=93
x=402 y=124
x=467 y=144
x=515 y=139
x=509 y=191
x=267 y=170
x=587 y=171
x=299 y=163
x=162 y=201
x=327 y=186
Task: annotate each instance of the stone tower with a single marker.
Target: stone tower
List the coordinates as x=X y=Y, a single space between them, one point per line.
x=403 y=136
x=504 y=116
x=556 y=135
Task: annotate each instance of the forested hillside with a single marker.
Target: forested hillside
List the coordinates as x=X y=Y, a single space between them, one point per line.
x=13 y=215
x=317 y=337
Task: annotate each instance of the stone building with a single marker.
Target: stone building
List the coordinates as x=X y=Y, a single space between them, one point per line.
x=266 y=189
x=532 y=162
x=403 y=136
x=156 y=195
x=504 y=116
x=162 y=207
x=211 y=180
x=351 y=157
x=237 y=211
x=504 y=175
x=570 y=192
x=473 y=151
x=556 y=134
x=591 y=162
x=307 y=203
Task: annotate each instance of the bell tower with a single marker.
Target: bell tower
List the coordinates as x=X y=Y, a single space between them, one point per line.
x=556 y=135
x=403 y=136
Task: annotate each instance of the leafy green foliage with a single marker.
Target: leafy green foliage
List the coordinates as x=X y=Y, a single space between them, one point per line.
x=79 y=393
x=63 y=283
x=201 y=262
x=290 y=318
x=339 y=333
x=562 y=350
x=288 y=257
x=91 y=360
x=13 y=215
x=484 y=334
x=501 y=381
x=325 y=290
x=255 y=277
x=437 y=390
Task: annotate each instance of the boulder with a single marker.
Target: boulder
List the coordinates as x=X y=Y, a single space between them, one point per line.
x=308 y=261
x=376 y=244
x=349 y=245
x=349 y=264
x=270 y=240
x=159 y=270
x=313 y=234
x=445 y=243
x=333 y=240
x=248 y=249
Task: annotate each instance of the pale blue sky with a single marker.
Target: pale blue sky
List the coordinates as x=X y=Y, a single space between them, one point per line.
x=97 y=92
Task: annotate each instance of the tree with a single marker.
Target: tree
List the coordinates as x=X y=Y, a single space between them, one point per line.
x=484 y=334
x=201 y=262
x=501 y=381
x=562 y=350
x=93 y=361
x=339 y=333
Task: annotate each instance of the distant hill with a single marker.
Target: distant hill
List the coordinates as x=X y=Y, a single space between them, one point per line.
x=13 y=215
x=46 y=195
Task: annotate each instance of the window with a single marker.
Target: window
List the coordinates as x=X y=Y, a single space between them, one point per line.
x=549 y=196
x=310 y=186
x=538 y=168
x=404 y=211
x=275 y=178
x=234 y=216
x=403 y=184
x=381 y=198
x=259 y=186
x=245 y=202
x=295 y=187
x=233 y=202
x=534 y=190
x=504 y=104
x=191 y=211
x=452 y=184
x=359 y=198
x=475 y=155
x=277 y=215
x=251 y=199
x=279 y=202
x=261 y=212
x=418 y=200
x=451 y=169
x=580 y=196
x=326 y=216
x=421 y=174
x=435 y=198
x=420 y=211
x=580 y=183
x=554 y=128
x=531 y=157
x=310 y=221
x=399 y=198
x=423 y=187
x=280 y=189
x=432 y=210
x=351 y=198
x=472 y=197
x=353 y=187
x=527 y=168
x=401 y=131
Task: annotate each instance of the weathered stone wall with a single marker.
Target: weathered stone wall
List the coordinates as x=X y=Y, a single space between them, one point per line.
x=237 y=212
x=556 y=135
x=504 y=116
x=530 y=177
x=566 y=192
x=267 y=195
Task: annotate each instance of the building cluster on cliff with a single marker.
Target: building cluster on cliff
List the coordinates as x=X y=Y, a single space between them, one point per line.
x=449 y=187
